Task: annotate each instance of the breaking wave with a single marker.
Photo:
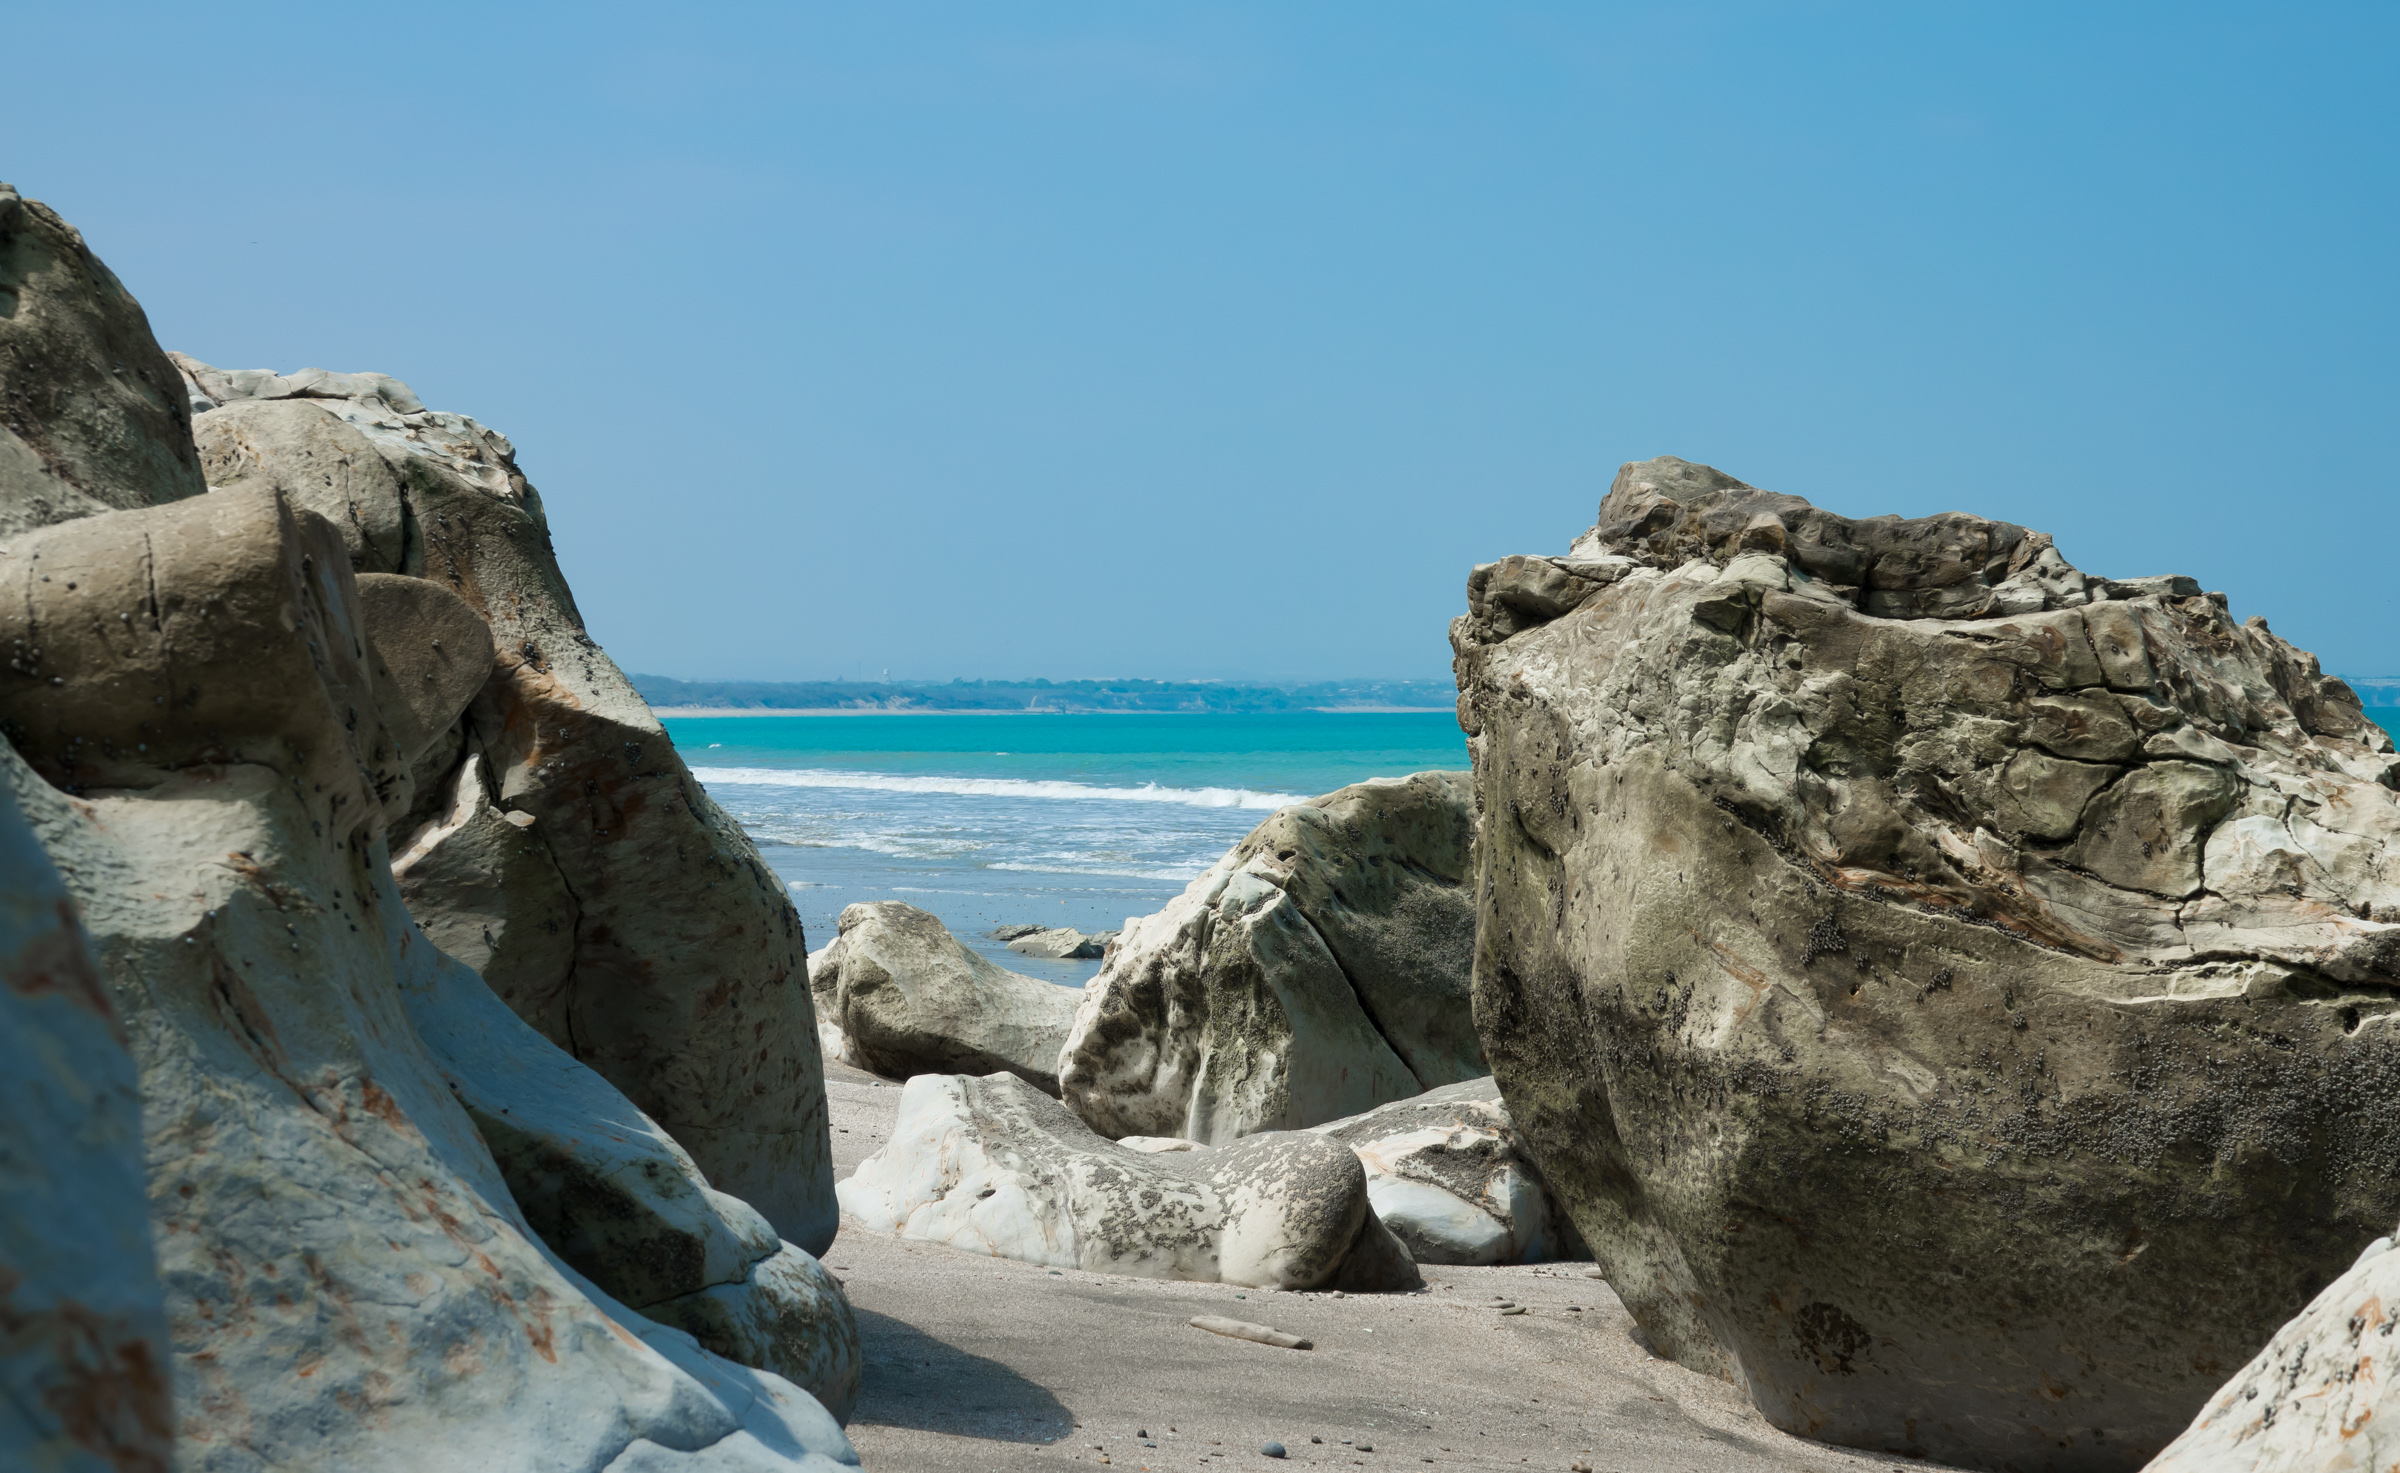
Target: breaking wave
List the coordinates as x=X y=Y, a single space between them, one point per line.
x=992 y=787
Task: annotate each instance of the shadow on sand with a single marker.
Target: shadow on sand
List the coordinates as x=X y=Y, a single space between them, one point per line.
x=914 y=1380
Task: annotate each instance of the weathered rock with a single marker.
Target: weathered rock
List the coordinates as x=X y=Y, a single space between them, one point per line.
x=92 y=416
x=1446 y=1176
x=676 y=964
x=488 y=893
x=910 y=999
x=350 y=1281
x=994 y=1166
x=2324 y=1394
x=1952 y=996
x=1060 y=944
x=1319 y=969
x=622 y=1203
x=83 y=1344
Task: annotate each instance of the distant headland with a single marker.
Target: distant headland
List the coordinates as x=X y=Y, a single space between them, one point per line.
x=1046 y=697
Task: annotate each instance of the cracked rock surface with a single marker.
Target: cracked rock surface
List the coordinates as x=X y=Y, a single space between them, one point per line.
x=1952 y=994
x=994 y=1166
x=1319 y=969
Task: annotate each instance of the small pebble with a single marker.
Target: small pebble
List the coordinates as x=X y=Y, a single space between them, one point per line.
x=1316 y=1439
x=1366 y=1447
x=1512 y=1309
x=1270 y=1449
x=1579 y=1466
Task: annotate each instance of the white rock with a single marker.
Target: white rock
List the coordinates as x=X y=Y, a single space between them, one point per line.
x=1446 y=1176
x=994 y=1166
x=2323 y=1394
x=1319 y=969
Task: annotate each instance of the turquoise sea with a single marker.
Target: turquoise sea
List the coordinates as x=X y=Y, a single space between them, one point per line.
x=1061 y=820
x=1057 y=820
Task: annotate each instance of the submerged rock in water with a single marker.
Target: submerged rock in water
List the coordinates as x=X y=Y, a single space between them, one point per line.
x=909 y=999
x=1446 y=1176
x=1916 y=965
x=1060 y=944
x=994 y=1166
x=556 y=841
x=2325 y=1393
x=1319 y=969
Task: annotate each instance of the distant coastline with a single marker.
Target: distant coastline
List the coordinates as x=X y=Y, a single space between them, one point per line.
x=1023 y=711
x=671 y=697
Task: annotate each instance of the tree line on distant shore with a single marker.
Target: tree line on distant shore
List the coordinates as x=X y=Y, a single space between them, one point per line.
x=1045 y=695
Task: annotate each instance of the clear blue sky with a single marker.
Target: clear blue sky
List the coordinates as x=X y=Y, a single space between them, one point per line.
x=1019 y=339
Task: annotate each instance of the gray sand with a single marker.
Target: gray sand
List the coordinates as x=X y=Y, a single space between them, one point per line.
x=979 y=1363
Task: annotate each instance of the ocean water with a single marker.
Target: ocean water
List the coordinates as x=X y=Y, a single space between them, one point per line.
x=1051 y=820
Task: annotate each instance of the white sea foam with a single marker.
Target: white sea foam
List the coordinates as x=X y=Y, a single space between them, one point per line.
x=1179 y=875
x=991 y=787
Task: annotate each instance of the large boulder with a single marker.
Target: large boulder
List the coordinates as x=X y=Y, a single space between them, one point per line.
x=556 y=841
x=84 y=1361
x=213 y=726
x=1445 y=1174
x=994 y=1166
x=909 y=999
x=1952 y=995
x=212 y=745
x=1319 y=969
x=92 y=415
x=2323 y=1395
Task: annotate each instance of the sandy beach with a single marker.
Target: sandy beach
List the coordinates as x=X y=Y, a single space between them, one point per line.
x=977 y=1363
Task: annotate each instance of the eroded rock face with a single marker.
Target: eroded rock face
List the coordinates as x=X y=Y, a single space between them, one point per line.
x=1319 y=969
x=909 y=999
x=83 y=1345
x=214 y=724
x=993 y=1165
x=2324 y=1394
x=623 y=1204
x=212 y=748
x=557 y=841
x=1952 y=995
x=1445 y=1175
x=92 y=416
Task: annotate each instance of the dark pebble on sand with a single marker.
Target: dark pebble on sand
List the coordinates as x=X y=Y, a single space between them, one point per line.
x=1270 y=1449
